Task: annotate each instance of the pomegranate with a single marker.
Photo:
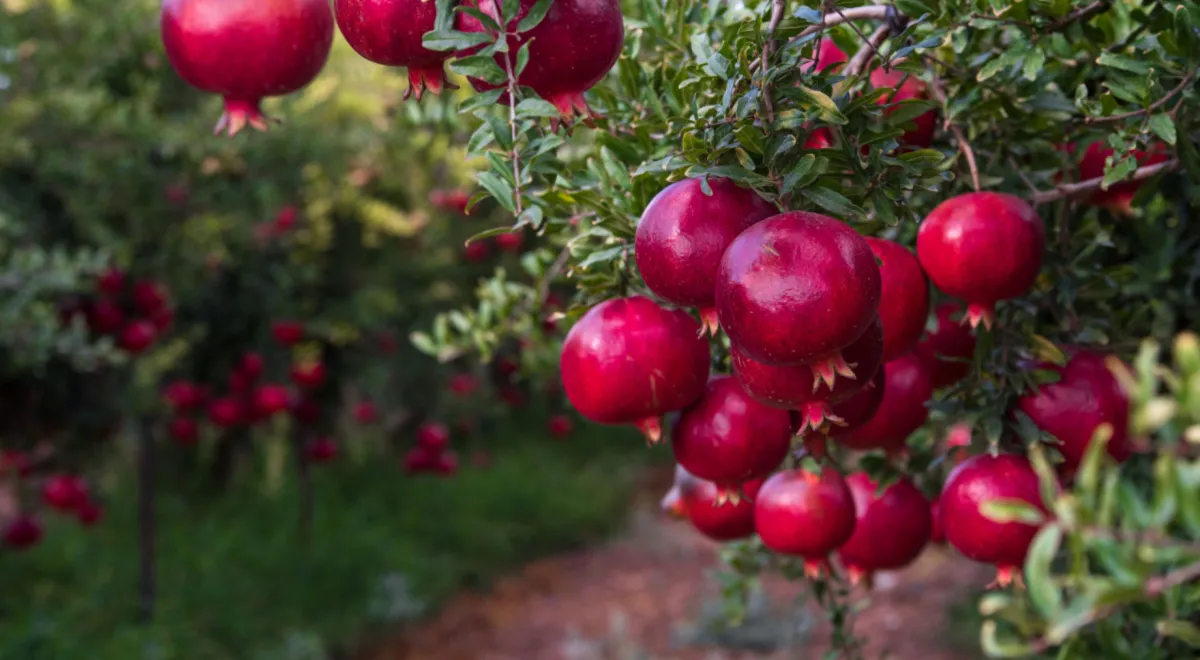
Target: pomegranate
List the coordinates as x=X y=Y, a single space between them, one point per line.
x=366 y=412
x=1119 y=197
x=792 y=387
x=184 y=430
x=906 y=87
x=942 y=349
x=683 y=233
x=728 y=438
x=148 y=297
x=510 y=241
x=305 y=410
x=801 y=513
x=105 y=317
x=985 y=478
x=251 y=365
x=463 y=385
x=450 y=200
x=308 y=375
x=902 y=410
x=560 y=427
x=705 y=506
x=571 y=50
x=245 y=51
x=785 y=273
x=137 y=336
x=904 y=303
x=820 y=138
x=285 y=219
x=476 y=252
x=446 y=463
x=936 y=535
x=23 y=532
x=982 y=247
x=111 y=282
x=321 y=450
x=1086 y=396
x=268 y=400
x=89 y=513
x=891 y=530
x=631 y=361
x=15 y=462
x=287 y=332
x=183 y=395
x=433 y=437
x=226 y=412
x=828 y=55
x=859 y=408
x=64 y=492
x=389 y=32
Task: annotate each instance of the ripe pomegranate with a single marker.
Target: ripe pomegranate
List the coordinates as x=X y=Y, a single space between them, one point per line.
x=389 y=32
x=148 y=297
x=571 y=50
x=162 y=319
x=463 y=385
x=904 y=303
x=308 y=375
x=705 y=507
x=23 y=532
x=950 y=340
x=251 y=365
x=450 y=200
x=285 y=219
x=859 y=408
x=728 y=438
x=420 y=459
x=105 y=317
x=64 y=492
x=891 y=530
x=786 y=271
x=287 y=332
x=433 y=437
x=828 y=55
x=982 y=247
x=791 y=387
x=268 y=400
x=631 y=361
x=245 y=51
x=183 y=395
x=366 y=412
x=902 y=410
x=15 y=462
x=226 y=412
x=560 y=427
x=184 y=430
x=321 y=450
x=510 y=241
x=982 y=479
x=446 y=463
x=513 y=396
x=111 y=282
x=1086 y=396
x=305 y=410
x=137 y=336
x=476 y=252
x=683 y=233
x=89 y=513
x=801 y=513
x=1119 y=197
x=820 y=138
x=906 y=87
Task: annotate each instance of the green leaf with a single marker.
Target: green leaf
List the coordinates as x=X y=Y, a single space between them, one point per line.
x=826 y=108
x=1008 y=510
x=522 y=58
x=454 y=41
x=832 y=201
x=534 y=17
x=1124 y=63
x=483 y=67
x=480 y=100
x=500 y=189
x=508 y=10
x=1164 y=127
x=1034 y=61
x=751 y=138
x=1038 y=577
x=536 y=108
x=1119 y=171
x=1185 y=631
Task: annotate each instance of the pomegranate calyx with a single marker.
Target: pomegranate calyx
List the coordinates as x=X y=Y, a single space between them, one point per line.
x=429 y=78
x=826 y=370
x=980 y=313
x=860 y=577
x=240 y=113
x=726 y=495
x=570 y=104
x=708 y=321
x=816 y=415
x=814 y=568
x=1006 y=576
x=651 y=427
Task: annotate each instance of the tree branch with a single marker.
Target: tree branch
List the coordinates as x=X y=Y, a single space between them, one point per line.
x=777 y=9
x=1068 y=190
x=512 y=123
x=939 y=95
x=863 y=57
x=1187 y=80
x=1081 y=14
x=839 y=16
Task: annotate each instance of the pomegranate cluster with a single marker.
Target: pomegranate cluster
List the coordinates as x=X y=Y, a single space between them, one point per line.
x=134 y=313
x=62 y=493
x=432 y=454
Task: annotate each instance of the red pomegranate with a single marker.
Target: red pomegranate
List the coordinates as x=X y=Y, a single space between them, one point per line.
x=683 y=233
x=985 y=478
x=792 y=387
x=285 y=219
x=1119 y=197
x=433 y=437
x=251 y=365
x=268 y=400
x=631 y=361
x=23 y=532
x=148 y=297
x=105 y=317
x=706 y=507
x=572 y=49
x=137 y=336
x=366 y=412
x=821 y=138
x=982 y=247
x=389 y=32
x=828 y=55
x=450 y=200
x=89 y=513
x=906 y=87
x=1086 y=396
x=15 y=462
x=902 y=410
x=463 y=384
x=287 y=332
x=801 y=513
x=226 y=412
x=786 y=271
x=728 y=438
x=184 y=430
x=891 y=530
x=859 y=408
x=936 y=535
x=904 y=303
x=419 y=459
x=111 y=282
x=510 y=241
x=321 y=450
x=305 y=410
x=64 y=492
x=944 y=349
x=446 y=464
x=183 y=395
x=246 y=51
x=308 y=375
x=476 y=251
x=560 y=427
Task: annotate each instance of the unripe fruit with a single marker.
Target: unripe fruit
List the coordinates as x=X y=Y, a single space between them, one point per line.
x=891 y=530
x=804 y=514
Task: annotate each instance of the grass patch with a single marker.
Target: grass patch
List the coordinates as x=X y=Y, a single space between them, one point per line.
x=234 y=582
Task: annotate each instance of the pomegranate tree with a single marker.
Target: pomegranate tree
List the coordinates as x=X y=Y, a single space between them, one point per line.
x=389 y=32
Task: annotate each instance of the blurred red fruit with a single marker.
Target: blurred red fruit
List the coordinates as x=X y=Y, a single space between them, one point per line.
x=89 y=513
x=305 y=410
x=269 y=400
x=510 y=241
x=148 y=297
x=251 y=365
x=433 y=437
x=239 y=383
x=446 y=463
x=476 y=252
x=463 y=384
x=420 y=459
x=365 y=412
x=507 y=367
x=285 y=220
x=513 y=396
x=226 y=412
x=162 y=319
x=560 y=426
x=15 y=462
x=137 y=336
x=183 y=395
x=111 y=282
x=64 y=492
x=287 y=333
x=321 y=450
x=450 y=200
x=308 y=375
x=184 y=430
x=23 y=532
x=105 y=317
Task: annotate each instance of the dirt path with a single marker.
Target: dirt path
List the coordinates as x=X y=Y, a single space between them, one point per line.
x=641 y=596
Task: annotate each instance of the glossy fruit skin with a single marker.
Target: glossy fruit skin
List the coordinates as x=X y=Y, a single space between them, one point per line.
x=859 y=408
x=268 y=400
x=904 y=301
x=573 y=48
x=1086 y=396
x=891 y=529
x=920 y=135
x=560 y=427
x=980 y=479
x=433 y=437
x=791 y=387
x=137 y=336
x=23 y=532
x=245 y=51
x=184 y=395
x=804 y=514
x=683 y=233
x=951 y=339
x=389 y=32
x=226 y=412
x=1118 y=197
x=729 y=438
x=902 y=411
x=184 y=430
x=728 y=521
x=287 y=333
x=64 y=492
x=630 y=359
x=828 y=55
x=797 y=270
x=998 y=230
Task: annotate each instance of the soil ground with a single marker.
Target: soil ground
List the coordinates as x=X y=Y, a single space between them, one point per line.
x=642 y=595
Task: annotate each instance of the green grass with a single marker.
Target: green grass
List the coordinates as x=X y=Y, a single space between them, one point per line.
x=234 y=581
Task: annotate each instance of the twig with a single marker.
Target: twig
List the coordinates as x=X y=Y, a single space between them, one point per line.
x=1187 y=80
x=1156 y=586
x=1081 y=14
x=1067 y=190
x=864 y=54
x=777 y=9
x=512 y=123
x=828 y=20
x=939 y=94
